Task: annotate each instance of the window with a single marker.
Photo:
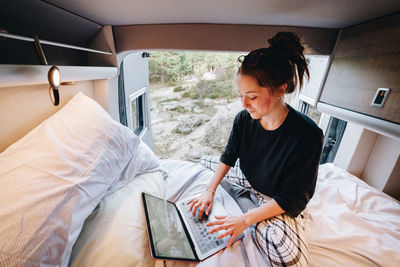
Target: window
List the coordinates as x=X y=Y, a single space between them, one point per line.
x=136 y=111
x=194 y=100
x=310 y=111
x=333 y=134
x=333 y=137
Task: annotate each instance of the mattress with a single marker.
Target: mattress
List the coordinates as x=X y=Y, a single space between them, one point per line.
x=348 y=223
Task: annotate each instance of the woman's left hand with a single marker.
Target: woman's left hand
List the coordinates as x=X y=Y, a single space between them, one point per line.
x=233 y=226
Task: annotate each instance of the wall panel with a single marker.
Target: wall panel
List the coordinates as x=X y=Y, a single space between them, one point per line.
x=367 y=57
x=215 y=37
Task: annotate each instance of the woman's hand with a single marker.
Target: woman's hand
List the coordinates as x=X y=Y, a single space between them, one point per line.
x=206 y=199
x=233 y=226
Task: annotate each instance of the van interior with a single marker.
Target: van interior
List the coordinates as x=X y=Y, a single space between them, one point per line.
x=76 y=149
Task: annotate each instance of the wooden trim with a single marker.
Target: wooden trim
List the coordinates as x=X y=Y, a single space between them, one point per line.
x=214 y=37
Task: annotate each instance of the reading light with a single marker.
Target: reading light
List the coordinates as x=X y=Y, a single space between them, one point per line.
x=54 y=77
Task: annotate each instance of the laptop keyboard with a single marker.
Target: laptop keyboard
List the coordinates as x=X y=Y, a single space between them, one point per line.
x=205 y=240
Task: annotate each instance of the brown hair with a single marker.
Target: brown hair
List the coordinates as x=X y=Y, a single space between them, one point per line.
x=282 y=62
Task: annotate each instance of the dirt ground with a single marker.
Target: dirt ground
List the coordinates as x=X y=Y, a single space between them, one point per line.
x=180 y=124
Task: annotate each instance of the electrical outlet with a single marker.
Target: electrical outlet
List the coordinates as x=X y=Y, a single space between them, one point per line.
x=380 y=97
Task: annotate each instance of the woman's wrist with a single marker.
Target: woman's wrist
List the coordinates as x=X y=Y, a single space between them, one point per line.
x=209 y=189
x=245 y=222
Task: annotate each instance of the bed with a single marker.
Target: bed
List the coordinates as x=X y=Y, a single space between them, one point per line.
x=71 y=196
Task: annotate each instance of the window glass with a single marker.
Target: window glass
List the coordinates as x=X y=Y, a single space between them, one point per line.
x=194 y=99
x=333 y=137
x=314 y=114
x=134 y=108
x=137 y=111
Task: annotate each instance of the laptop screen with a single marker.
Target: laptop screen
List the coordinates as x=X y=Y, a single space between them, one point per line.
x=166 y=233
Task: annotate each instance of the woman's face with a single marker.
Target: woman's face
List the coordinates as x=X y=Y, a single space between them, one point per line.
x=257 y=100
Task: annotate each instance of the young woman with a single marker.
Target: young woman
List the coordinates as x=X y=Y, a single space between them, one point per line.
x=278 y=149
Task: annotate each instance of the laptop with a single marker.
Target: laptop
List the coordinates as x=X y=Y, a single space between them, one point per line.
x=174 y=234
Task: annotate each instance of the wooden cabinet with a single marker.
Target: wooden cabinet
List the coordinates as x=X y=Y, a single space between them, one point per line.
x=367 y=57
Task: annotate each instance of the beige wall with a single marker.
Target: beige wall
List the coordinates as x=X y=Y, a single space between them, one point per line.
x=22 y=108
x=381 y=162
x=101 y=94
x=372 y=157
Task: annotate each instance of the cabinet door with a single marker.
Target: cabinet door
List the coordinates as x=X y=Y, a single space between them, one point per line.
x=367 y=57
x=133 y=94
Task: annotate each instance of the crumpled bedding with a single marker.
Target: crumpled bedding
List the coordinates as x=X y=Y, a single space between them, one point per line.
x=348 y=223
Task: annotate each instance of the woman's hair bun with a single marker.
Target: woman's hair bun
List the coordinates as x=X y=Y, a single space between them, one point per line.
x=283 y=62
x=287 y=42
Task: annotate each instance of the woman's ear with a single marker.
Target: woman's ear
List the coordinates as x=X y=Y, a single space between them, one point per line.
x=281 y=90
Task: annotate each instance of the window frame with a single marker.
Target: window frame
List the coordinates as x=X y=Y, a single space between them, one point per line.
x=140 y=97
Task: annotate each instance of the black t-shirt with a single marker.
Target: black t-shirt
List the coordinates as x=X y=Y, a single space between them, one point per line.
x=283 y=163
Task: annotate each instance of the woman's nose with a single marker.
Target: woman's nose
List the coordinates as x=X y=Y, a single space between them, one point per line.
x=245 y=102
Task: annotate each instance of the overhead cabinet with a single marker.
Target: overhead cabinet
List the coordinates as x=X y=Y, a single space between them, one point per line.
x=82 y=49
x=366 y=58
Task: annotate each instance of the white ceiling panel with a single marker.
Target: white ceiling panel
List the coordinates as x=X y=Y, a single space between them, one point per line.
x=309 y=13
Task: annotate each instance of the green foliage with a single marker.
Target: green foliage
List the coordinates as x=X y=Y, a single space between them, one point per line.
x=191 y=94
x=179 y=109
x=168 y=100
x=171 y=67
x=212 y=89
x=179 y=89
x=165 y=66
x=171 y=83
x=168 y=66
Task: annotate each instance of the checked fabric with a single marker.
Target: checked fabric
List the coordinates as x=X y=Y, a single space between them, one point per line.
x=280 y=239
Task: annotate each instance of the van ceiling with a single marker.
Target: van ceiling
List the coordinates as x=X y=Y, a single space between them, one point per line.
x=309 y=13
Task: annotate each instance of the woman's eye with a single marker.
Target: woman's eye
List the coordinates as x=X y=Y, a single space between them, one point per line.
x=252 y=98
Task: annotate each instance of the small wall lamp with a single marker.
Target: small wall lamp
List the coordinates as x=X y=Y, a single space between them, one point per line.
x=54 y=77
x=54 y=74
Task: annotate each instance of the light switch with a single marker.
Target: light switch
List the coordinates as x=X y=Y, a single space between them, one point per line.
x=380 y=97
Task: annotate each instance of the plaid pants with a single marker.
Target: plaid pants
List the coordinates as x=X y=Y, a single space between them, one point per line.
x=280 y=239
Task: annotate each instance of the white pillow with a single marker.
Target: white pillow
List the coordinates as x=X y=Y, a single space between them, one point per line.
x=54 y=177
x=143 y=161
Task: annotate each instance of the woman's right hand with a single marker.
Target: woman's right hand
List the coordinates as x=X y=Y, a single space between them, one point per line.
x=206 y=199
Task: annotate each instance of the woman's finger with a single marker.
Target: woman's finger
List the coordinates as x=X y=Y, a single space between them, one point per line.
x=220 y=217
x=195 y=207
x=209 y=208
x=224 y=234
x=217 y=222
x=201 y=210
x=230 y=242
x=217 y=229
x=194 y=201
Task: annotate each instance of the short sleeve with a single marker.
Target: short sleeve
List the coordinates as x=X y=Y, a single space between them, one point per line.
x=232 y=149
x=300 y=176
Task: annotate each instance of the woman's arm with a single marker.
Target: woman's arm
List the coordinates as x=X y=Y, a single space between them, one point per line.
x=235 y=225
x=220 y=172
x=207 y=197
x=265 y=211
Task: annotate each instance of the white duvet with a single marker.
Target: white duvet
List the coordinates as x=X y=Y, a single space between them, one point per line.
x=348 y=223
